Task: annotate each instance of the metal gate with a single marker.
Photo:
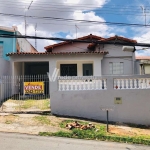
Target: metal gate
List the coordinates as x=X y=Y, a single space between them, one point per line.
x=24 y=93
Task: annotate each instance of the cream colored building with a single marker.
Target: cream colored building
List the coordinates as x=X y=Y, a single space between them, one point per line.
x=144 y=64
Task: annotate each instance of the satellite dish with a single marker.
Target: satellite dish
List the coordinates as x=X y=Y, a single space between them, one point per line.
x=128 y=48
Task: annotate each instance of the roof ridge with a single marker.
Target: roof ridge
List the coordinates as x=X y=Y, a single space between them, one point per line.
x=80 y=38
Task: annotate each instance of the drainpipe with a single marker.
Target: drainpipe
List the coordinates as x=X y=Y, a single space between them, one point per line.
x=133 y=61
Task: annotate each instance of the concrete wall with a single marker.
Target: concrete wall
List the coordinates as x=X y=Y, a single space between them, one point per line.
x=55 y=60
x=5 y=67
x=134 y=108
x=147 y=68
x=126 y=61
x=116 y=54
x=18 y=69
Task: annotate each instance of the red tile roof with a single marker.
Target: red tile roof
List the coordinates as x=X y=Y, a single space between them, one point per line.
x=57 y=53
x=92 y=45
x=92 y=37
x=143 y=57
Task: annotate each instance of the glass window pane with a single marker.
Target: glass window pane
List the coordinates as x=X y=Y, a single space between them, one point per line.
x=116 y=68
x=111 y=68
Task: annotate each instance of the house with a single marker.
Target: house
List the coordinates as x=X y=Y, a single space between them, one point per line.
x=104 y=59
x=77 y=59
x=93 y=78
x=144 y=64
x=9 y=45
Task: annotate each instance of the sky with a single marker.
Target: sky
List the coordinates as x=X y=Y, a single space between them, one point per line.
x=120 y=11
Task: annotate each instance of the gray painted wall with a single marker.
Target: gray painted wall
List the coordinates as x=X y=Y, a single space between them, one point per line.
x=5 y=68
x=135 y=107
x=53 y=59
x=127 y=64
x=116 y=54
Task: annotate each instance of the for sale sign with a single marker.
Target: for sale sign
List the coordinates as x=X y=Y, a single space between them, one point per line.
x=33 y=87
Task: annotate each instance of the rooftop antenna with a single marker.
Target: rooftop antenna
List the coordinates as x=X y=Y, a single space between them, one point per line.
x=76 y=27
x=144 y=12
x=25 y=16
x=35 y=36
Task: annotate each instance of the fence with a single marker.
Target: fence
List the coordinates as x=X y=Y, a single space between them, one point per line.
x=81 y=83
x=99 y=83
x=24 y=93
x=128 y=96
x=134 y=83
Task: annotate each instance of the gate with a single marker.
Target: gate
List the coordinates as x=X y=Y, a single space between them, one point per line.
x=24 y=93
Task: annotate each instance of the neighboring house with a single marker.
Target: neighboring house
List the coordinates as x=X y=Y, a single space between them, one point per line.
x=144 y=64
x=9 y=45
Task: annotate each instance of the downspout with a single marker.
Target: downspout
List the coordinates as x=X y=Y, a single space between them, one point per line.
x=133 y=61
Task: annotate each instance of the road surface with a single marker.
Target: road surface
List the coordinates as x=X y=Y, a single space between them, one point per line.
x=10 y=141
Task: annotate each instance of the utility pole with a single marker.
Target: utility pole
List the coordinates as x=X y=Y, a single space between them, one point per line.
x=25 y=16
x=76 y=27
x=144 y=12
x=35 y=36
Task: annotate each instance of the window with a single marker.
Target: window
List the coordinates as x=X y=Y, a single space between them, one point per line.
x=68 y=69
x=116 y=68
x=87 y=69
x=1 y=51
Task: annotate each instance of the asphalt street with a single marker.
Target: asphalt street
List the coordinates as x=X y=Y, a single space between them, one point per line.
x=11 y=141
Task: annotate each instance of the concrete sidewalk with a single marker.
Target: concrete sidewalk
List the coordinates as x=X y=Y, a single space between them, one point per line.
x=10 y=141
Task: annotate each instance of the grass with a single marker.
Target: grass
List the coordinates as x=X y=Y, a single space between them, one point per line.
x=40 y=104
x=97 y=134
x=26 y=104
x=8 y=121
x=42 y=120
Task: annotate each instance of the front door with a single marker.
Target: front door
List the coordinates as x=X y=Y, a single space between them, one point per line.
x=68 y=69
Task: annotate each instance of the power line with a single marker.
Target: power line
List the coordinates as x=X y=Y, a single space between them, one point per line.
x=70 y=20
x=84 y=8
x=75 y=40
x=77 y=5
x=70 y=7
x=98 y=12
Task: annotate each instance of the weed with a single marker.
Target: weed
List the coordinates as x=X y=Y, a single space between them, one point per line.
x=42 y=120
x=96 y=134
x=8 y=122
x=26 y=104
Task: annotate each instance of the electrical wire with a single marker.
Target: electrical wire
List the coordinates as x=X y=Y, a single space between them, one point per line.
x=75 y=40
x=72 y=20
x=78 y=5
x=53 y=4
x=106 y=11
x=97 y=11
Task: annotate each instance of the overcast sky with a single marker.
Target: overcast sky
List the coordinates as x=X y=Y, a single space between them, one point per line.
x=129 y=11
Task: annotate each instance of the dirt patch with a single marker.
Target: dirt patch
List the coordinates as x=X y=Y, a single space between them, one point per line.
x=33 y=124
x=128 y=131
x=26 y=123
x=8 y=119
x=25 y=105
